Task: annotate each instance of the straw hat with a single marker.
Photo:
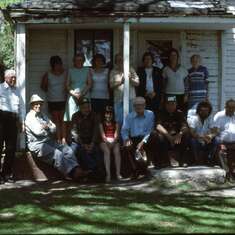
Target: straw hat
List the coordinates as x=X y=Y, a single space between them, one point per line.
x=35 y=98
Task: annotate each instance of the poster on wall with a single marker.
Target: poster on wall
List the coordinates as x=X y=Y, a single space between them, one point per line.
x=159 y=49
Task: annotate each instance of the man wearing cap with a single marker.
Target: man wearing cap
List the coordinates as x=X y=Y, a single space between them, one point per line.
x=136 y=131
x=85 y=136
x=171 y=133
x=11 y=117
x=40 y=132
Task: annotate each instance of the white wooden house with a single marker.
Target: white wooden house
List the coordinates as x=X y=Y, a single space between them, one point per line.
x=64 y=27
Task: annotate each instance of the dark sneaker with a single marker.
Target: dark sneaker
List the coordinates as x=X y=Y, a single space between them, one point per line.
x=1 y=180
x=9 y=179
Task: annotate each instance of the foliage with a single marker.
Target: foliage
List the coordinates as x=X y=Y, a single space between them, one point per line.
x=4 y=3
x=7 y=46
x=7 y=39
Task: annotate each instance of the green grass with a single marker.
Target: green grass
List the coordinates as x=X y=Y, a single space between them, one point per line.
x=5 y=3
x=71 y=208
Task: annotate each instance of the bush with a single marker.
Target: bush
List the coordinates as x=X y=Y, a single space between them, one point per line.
x=7 y=46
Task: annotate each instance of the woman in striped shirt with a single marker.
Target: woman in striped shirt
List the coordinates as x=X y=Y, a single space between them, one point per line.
x=196 y=84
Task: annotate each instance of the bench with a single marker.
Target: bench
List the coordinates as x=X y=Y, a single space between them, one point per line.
x=29 y=167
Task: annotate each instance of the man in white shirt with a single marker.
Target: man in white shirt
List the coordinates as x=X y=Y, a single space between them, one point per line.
x=11 y=115
x=203 y=141
x=224 y=122
x=40 y=141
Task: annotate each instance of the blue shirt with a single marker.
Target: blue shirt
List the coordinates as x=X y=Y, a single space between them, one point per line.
x=135 y=125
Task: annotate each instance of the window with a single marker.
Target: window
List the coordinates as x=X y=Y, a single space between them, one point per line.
x=90 y=42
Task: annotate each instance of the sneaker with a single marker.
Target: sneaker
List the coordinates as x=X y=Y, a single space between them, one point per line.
x=1 y=180
x=119 y=177
x=9 y=179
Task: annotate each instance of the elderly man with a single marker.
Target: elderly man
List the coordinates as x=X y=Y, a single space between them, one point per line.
x=171 y=133
x=203 y=142
x=40 y=141
x=136 y=132
x=224 y=122
x=11 y=118
x=85 y=137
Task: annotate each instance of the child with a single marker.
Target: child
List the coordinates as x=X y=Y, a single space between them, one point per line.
x=109 y=133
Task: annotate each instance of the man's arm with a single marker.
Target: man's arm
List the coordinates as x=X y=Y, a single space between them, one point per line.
x=126 y=130
x=75 y=131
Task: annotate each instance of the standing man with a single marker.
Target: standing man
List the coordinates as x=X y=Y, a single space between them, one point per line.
x=11 y=118
x=136 y=131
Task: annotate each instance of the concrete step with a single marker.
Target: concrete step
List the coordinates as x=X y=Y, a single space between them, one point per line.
x=192 y=174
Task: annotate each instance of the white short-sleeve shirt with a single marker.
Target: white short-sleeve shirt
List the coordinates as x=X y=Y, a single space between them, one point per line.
x=226 y=124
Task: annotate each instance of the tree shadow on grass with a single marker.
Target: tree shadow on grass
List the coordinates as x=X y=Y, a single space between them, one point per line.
x=72 y=208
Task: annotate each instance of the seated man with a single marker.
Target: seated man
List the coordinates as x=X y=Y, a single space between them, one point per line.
x=171 y=133
x=203 y=142
x=135 y=133
x=40 y=141
x=224 y=122
x=85 y=137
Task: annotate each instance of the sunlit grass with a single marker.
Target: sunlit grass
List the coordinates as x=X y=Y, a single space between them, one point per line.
x=63 y=208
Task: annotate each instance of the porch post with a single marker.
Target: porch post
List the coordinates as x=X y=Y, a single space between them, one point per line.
x=223 y=69
x=126 y=64
x=20 y=64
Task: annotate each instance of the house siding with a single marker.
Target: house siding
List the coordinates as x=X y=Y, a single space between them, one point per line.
x=206 y=44
x=228 y=88
x=42 y=44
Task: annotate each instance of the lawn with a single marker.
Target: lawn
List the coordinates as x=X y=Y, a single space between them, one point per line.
x=62 y=207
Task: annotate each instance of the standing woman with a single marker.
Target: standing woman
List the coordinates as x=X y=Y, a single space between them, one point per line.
x=116 y=82
x=174 y=76
x=78 y=84
x=99 y=90
x=197 y=82
x=53 y=83
x=150 y=83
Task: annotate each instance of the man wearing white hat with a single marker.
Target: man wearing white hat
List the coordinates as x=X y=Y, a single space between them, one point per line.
x=11 y=116
x=39 y=131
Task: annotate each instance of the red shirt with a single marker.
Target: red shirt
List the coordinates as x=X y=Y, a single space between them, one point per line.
x=109 y=130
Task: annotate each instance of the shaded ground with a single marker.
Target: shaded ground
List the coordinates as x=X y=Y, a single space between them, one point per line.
x=65 y=207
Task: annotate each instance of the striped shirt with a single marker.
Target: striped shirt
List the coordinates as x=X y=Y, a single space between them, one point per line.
x=196 y=85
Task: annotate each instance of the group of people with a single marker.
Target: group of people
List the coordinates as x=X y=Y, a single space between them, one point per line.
x=169 y=110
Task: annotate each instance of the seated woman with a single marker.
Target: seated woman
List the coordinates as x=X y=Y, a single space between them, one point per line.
x=40 y=141
x=109 y=133
x=53 y=83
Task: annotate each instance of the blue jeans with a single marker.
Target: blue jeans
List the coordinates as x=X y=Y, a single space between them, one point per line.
x=88 y=161
x=118 y=109
x=208 y=149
